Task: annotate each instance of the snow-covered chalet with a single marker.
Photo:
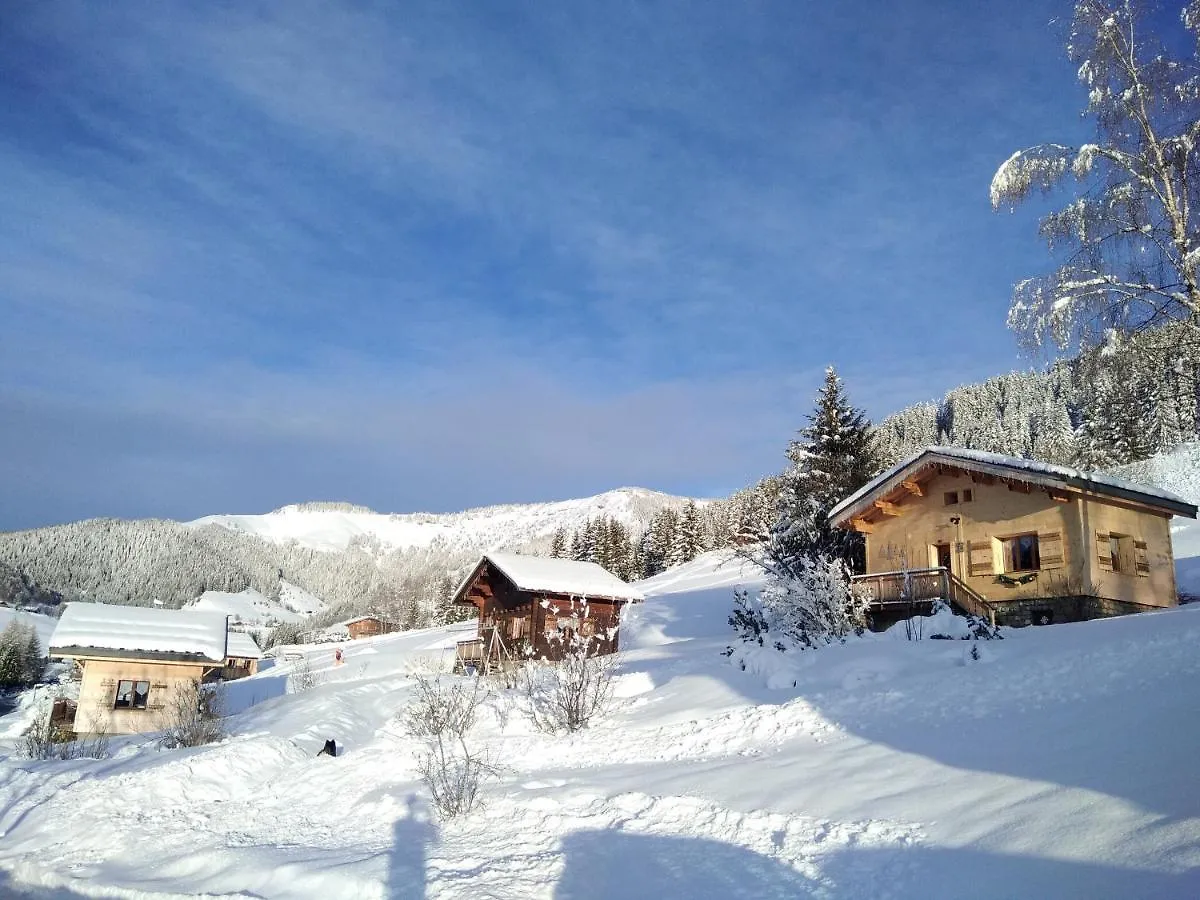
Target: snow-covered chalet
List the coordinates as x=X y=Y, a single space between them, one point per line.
x=1015 y=540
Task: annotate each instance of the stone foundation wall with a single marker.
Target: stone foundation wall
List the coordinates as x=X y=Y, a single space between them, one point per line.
x=1053 y=610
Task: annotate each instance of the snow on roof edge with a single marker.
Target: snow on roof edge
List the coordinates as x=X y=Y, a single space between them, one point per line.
x=1104 y=484
x=592 y=580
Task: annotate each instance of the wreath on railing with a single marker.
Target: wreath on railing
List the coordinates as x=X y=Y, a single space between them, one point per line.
x=1012 y=581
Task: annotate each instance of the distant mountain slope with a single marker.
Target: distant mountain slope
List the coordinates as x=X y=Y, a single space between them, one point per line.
x=249 y=607
x=329 y=555
x=336 y=526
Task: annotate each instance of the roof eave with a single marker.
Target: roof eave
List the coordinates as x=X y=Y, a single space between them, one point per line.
x=842 y=517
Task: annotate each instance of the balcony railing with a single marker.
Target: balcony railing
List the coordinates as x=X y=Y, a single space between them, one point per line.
x=894 y=589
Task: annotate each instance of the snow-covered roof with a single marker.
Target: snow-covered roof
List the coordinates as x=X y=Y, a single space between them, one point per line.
x=1031 y=470
x=138 y=629
x=242 y=646
x=557 y=576
x=357 y=619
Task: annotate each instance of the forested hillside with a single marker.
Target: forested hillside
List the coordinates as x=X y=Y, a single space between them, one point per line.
x=1113 y=405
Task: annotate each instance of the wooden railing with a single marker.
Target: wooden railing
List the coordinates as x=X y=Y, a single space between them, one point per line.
x=892 y=589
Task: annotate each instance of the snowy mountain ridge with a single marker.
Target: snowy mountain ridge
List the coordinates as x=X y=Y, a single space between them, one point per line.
x=338 y=526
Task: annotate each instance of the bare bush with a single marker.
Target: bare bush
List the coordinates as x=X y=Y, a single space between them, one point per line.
x=44 y=739
x=443 y=716
x=565 y=696
x=191 y=716
x=302 y=678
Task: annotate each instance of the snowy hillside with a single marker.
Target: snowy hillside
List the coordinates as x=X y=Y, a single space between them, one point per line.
x=249 y=607
x=1060 y=766
x=332 y=526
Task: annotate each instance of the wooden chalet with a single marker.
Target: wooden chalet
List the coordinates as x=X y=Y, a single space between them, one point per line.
x=533 y=606
x=364 y=627
x=1015 y=540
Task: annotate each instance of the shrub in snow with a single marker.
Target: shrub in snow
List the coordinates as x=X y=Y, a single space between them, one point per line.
x=21 y=660
x=443 y=716
x=44 y=740
x=302 y=678
x=565 y=696
x=191 y=716
x=812 y=605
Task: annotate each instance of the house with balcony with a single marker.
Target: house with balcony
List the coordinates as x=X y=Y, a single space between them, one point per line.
x=531 y=606
x=1015 y=540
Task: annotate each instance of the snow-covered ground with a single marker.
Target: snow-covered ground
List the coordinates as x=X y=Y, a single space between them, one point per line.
x=1061 y=765
x=336 y=526
x=250 y=607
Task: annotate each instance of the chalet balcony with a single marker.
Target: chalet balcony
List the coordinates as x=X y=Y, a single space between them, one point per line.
x=892 y=592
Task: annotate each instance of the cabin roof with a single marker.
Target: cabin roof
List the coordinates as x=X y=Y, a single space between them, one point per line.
x=1028 y=470
x=242 y=646
x=131 y=630
x=357 y=619
x=556 y=576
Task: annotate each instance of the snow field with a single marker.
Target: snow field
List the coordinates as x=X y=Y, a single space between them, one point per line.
x=1062 y=766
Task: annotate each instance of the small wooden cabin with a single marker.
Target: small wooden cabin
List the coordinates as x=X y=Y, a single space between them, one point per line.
x=1016 y=540
x=242 y=656
x=131 y=659
x=365 y=626
x=531 y=605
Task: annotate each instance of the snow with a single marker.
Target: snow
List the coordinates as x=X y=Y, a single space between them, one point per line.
x=135 y=628
x=242 y=645
x=1032 y=468
x=321 y=527
x=563 y=576
x=250 y=607
x=1060 y=766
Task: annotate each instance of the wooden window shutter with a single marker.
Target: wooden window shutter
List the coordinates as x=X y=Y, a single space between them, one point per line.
x=1141 y=558
x=1104 y=551
x=1050 y=549
x=980 y=554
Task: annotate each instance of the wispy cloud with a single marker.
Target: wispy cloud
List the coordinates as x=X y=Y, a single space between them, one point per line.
x=239 y=231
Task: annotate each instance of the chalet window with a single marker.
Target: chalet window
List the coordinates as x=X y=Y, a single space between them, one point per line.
x=951 y=498
x=1021 y=553
x=1114 y=551
x=968 y=495
x=131 y=694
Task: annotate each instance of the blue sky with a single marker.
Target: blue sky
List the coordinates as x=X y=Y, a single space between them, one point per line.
x=430 y=255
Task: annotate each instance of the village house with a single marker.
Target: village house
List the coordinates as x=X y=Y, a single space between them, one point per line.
x=241 y=656
x=1015 y=540
x=535 y=606
x=132 y=658
x=363 y=627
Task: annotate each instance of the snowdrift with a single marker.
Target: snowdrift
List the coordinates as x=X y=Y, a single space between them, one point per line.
x=1061 y=765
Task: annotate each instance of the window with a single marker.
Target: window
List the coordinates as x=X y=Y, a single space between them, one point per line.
x=968 y=495
x=951 y=498
x=1114 y=550
x=1021 y=553
x=132 y=695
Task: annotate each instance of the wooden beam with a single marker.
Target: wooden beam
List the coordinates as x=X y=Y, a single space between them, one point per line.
x=1058 y=496
x=1021 y=487
x=888 y=509
x=914 y=487
x=862 y=526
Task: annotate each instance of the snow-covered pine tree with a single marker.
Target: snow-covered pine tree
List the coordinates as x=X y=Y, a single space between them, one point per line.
x=32 y=658
x=833 y=457
x=689 y=541
x=558 y=544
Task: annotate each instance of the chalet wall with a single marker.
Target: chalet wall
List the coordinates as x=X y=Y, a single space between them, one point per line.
x=996 y=512
x=533 y=618
x=98 y=689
